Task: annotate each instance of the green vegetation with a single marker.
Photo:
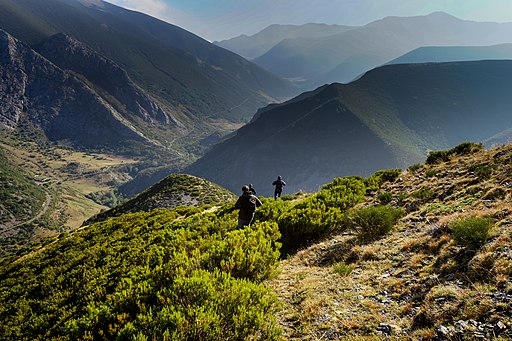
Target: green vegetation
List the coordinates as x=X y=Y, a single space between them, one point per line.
x=318 y=215
x=414 y=168
x=471 y=232
x=384 y=198
x=481 y=171
x=146 y=275
x=371 y=223
x=173 y=191
x=342 y=269
x=20 y=198
x=461 y=149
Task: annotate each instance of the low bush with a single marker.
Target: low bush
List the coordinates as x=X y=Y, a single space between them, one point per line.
x=430 y=173
x=481 y=171
x=384 y=198
x=374 y=182
x=317 y=216
x=342 y=268
x=371 y=223
x=471 y=232
x=414 y=168
x=461 y=149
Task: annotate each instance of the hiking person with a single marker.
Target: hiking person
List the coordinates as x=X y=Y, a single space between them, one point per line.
x=252 y=190
x=279 y=183
x=247 y=204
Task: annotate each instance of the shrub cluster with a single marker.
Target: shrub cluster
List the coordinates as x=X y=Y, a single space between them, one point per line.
x=158 y=275
x=316 y=216
x=371 y=223
x=444 y=155
x=471 y=232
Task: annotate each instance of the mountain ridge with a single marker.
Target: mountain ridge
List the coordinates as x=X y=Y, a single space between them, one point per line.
x=408 y=109
x=343 y=57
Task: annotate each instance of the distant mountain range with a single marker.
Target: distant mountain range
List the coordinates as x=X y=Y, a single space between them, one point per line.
x=455 y=53
x=145 y=79
x=389 y=118
x=313 y=61
x=259 y=43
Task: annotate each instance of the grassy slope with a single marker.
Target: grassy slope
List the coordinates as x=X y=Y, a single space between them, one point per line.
x=416 y=278
x=171 y=192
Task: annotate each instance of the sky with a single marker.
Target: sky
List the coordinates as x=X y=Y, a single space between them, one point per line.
x=224 y=19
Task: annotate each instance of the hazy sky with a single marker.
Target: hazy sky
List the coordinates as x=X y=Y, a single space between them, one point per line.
x=222 y=19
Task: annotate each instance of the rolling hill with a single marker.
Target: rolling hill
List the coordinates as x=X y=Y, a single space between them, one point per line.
x=389 y=118
x=171 y=192
x=311 y=62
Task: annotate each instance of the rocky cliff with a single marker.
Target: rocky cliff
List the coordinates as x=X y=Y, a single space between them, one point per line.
x=63 y=106
x=70 y=54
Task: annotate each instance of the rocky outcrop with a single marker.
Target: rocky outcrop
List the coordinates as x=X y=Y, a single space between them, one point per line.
x=56 y=101
x=70 y=54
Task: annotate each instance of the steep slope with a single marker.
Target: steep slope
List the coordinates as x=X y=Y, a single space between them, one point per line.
x=256 y=45
x=343 y=57
x=171 y=192
x=420 y=281
x=388 y=118
x=37 y=92
x=431 y=54
x=203 y=86
x=21 y=201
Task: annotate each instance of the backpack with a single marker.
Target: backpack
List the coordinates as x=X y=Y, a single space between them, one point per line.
x=251 y=204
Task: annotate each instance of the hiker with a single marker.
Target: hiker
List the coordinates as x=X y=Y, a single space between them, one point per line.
x=252 y=190
x=279 y=183
x=247 y=204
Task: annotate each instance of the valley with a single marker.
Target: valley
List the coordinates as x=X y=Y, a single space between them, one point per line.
x=75 y=186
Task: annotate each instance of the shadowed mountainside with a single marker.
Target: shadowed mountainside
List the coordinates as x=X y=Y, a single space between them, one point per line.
x=389 y=118
x=207 y=89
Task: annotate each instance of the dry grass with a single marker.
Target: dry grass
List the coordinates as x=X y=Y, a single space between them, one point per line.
x=416 y=278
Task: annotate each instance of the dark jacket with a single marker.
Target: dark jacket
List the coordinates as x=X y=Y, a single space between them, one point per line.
x=279 y=184
x=242 y=204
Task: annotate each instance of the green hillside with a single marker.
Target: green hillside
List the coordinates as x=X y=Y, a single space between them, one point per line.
x=407 y=255
x=171 y=192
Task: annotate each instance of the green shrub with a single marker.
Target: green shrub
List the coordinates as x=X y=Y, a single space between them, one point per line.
x=384 y=198
x=414 y=168
x=482 y=171
x=431 y=172
x=461 y=149
x=423 y=193
x=371 y=223
x=317 y=216
x=471 y=232
x=342 y=268
x=374 y=182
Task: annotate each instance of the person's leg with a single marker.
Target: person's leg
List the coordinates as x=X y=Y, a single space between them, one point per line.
x=242 y=223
